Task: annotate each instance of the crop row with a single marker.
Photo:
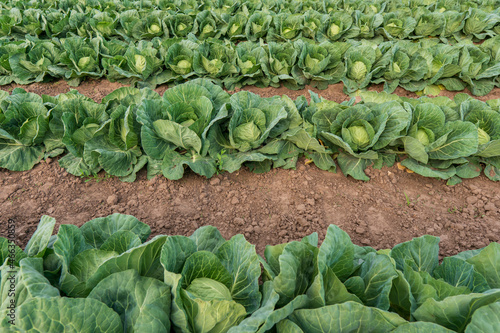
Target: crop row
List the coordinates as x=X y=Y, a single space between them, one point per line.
x=222 y=7
x=106 y=277
x=413 y=65
x=242 y=24
x=200 y=126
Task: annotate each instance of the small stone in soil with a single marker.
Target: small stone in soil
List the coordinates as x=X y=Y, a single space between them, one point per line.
x=112 y=199
x=214 y=181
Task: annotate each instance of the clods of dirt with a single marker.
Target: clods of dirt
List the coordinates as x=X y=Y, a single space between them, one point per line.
x=276 y=207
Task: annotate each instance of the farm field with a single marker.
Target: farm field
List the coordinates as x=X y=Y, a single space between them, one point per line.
x=227 y=166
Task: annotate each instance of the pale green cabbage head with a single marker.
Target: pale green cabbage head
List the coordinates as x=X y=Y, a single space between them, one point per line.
x=246 y=66
x=256 y=28
x=234 y=28
x=359 y=136
x=83 y=62
x=140 y=63
x=396 y=68
x=334 y=29
x=181 y=26
x=483 y=137
x=184 y=66
x=208 y=29
x=248 y=132
x=422 y=137
x=358 y=71
x=154 y=29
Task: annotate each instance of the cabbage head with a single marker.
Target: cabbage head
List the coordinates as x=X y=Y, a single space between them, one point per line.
x=215 y=284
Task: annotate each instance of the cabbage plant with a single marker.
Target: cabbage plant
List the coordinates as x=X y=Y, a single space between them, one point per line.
x=313 y=24
x=142 y=26
x=398 y=24
x=180 y=57
x=24 y=127
x=319 y=64
x=250 y=61
x=214 y=283
x=180 y=24
x=431 y=137
x=360 y=65
x=205 y=25
x=282 y=57
x=139 y=63
x=285 y=27
x=235 y=28
x=75 y=121
x=81 y=56
x=57 y=23
x=174 y=129
x=360 y=132
x=40 y=60
x=215 y=59
x=258 y=25
x=104 y=23
x=337 y=26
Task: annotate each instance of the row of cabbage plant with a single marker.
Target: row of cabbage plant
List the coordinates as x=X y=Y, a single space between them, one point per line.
x=241 y=23
x=106 y=276
x=197 y=125
x=415 y=66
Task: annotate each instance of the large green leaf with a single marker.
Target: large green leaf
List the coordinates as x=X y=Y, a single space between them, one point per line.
x=40 y=239
x=143 y=303
x=422 y=253
x=337 y=252
x=241 y=261
x=485 y=319
x=61 y=314
x=346 y=317
x=460 y=273
x=98 y=230
x=455 y=312
x=487 y=263
x=373 y=282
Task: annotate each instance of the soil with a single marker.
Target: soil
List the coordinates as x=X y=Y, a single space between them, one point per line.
x=272 y=208
x=98 y=89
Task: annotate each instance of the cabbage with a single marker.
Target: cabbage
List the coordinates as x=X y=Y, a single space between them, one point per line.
x=208 y=29
x=246 y=66
x=184 y=66
x=234 y=28
x=140 y=63
x=256 y=28
x=358 y=71
x=359 y=136
x=483 y=137
x=395 y=68
x=422 y=137
x=83 y=62
x=181 y=26
x=248 y=132
x=288 y=33
x=154 y=29
x=334 y=30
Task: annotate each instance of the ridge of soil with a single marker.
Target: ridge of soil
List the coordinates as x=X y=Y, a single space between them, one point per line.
x=97 y=89
x=272 y=208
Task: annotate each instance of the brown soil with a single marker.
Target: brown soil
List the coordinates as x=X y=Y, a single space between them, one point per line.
x=97 y=89
x=277 y=207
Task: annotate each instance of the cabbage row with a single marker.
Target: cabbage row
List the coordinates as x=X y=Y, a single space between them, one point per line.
x=224 y=7
x=106 y=276
x=415 y=66
x=235 y=21
x=199 y=126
